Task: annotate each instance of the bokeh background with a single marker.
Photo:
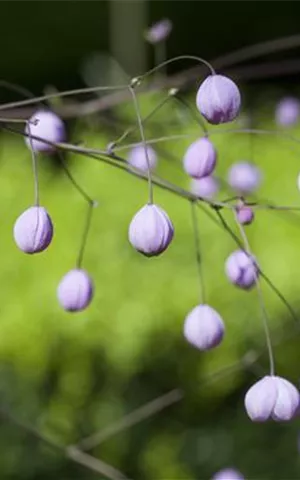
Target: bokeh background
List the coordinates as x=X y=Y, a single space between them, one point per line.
x=70 y=375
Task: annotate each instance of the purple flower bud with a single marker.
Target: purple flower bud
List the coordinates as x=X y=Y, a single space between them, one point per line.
x=33 y=230
x=244 y=177
x=241 y=269
x=47 y=125
x=272 y=397
x=137 y=158
x=218 y=99
x=75 y=290
x=200 y=158
x=206 y=187
x=287 y=111
x=151 y=230
x=245 y=215
x=203 y=327
x=159 y=31
x=228 y=474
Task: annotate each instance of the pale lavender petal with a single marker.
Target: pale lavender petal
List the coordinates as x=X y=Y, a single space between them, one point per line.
x=47 y=125
x=260 y=399
x=241 y=269
x=200 y=158
x=206 y=187
x=228 y=474
x=204 y=328
x=287 y=401
x=244 y=177
x=33 y=230
x=75 y=290
x=287 y=111
x=137 y=158
x=218 y=99
x=151 y=230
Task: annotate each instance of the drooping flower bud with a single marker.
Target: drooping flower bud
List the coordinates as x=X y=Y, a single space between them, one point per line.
x=241 y=269
x=75 y=290
x=228 y=474
x=151 y=230
x=245 y=214
x=244 y=177
x=137 y=158
x=203 y=327
x=159 y=31
x=33 y=230
x=206 y=187
x=272 y=397
x=218 y=99
x=287 y=111
x=47 y=125
x=200 y=158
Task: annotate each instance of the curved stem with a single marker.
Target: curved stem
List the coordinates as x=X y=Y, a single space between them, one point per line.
x=138 y=114
x=265 y=319
x=176 y=59
x=86 y=230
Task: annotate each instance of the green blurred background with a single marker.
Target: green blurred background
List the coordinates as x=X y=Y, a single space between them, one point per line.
x=69 y=375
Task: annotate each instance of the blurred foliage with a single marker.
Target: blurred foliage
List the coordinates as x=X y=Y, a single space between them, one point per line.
x=73 y=374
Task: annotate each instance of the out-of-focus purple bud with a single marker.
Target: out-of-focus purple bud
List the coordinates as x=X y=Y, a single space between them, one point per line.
x=244 y=177
x=75 y=290
x=151 y=230
x=33 y=230
x=159 y=31
x=137 y=158
x=218 y=99
x=245 y=215
x=206 y=187
x=287 y=111
x=241 y=269
x=204 y=328
x=228 y=474
x=272 y=397
x=200 y=158
x=47 y=125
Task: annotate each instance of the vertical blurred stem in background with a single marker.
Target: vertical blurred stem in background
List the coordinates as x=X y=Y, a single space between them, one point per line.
x=127 y=24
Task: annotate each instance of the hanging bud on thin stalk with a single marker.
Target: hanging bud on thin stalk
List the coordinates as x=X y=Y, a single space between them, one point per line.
x=159 y=31
x=47 y=125
x=244 y=214
x=228 y=474
x=218 y=99
x=206 y=187
x=241 y=269
x=33 y=230
x=75 y=290
x=200 y=158
x=151 y=230
x=272 y=397
x=287 y=112
x=137 y=158
x=244 y=177
x=204 y=328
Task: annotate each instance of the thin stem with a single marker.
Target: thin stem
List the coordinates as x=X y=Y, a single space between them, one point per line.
x=193 y=114
x=81 y=191
x=176 y=59
x=198 y=251
x=144 y=120
x=139 y=120
x=86 y=230
x=34 y=168
x=66 y=93
x=265 y=318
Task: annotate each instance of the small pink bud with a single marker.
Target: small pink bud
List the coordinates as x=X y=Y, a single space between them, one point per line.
x=75 y=290
x=151 y=230
x=33 y=230
x=245 y=215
